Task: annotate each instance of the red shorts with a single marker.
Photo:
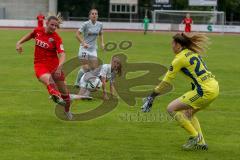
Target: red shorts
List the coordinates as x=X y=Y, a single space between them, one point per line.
x=41 y=68
x=187 y=29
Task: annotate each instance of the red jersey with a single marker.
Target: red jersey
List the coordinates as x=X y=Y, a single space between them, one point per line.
x=40 y=19
x=187 y=22
x=47 y=46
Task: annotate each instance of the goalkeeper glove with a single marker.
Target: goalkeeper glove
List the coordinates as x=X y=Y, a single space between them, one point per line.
x=148 y=102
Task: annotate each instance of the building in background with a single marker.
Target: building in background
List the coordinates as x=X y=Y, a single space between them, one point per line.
x=26 y=9
x=78 y=9
x=123 y=8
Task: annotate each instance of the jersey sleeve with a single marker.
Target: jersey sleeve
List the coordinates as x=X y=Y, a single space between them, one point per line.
x=59 y=45
x=173 y=70
x=175 y=67
x=82 y=28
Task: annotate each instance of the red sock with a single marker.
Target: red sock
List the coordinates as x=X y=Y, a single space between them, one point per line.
x=52 y=89
x=66 y=98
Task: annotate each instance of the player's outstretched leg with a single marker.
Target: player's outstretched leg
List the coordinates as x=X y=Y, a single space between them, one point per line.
x=52 y=88
x=65 y=96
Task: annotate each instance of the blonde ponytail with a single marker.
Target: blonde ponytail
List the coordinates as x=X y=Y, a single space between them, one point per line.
x=196 y=42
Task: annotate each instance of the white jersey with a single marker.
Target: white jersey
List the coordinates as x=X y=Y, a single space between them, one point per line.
x=103 y=71
x=90 y=32
x=106 y=71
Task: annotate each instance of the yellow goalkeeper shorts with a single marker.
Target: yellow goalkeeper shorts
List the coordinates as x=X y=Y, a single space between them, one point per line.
x=210 y=91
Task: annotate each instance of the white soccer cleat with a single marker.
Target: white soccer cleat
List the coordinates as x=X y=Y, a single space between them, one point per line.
x=69 y=115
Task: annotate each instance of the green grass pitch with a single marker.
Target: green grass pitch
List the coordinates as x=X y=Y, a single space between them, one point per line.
x=29 y=128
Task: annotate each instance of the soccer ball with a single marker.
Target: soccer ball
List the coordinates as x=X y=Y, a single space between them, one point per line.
x=93 y=83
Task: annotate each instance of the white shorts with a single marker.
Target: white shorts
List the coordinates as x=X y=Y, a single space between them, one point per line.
x=87 y=55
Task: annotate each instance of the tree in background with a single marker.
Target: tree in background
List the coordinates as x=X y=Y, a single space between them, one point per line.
x=80 y=8
x=231 y=8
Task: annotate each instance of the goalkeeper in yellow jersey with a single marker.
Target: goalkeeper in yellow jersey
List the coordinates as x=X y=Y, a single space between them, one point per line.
x=187 y=48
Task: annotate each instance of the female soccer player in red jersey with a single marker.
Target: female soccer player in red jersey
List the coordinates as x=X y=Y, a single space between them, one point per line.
x=40 y=19
x=187 y=21
x=49 y=57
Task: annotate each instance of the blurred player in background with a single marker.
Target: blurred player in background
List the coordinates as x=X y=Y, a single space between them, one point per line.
x=87 y=36
x=49 y=57
x=145 y=24
x=187 y=49
x=40 y=19
x=106 y=72
x=187 y=21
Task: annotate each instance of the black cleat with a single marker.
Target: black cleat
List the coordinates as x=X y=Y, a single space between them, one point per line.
x=57 y=99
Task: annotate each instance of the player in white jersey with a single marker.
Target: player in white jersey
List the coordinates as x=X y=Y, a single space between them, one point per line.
x=87 y=35
x=106 y=72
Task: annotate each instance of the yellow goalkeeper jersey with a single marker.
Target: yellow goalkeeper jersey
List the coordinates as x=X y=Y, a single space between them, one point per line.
x=193 y=67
